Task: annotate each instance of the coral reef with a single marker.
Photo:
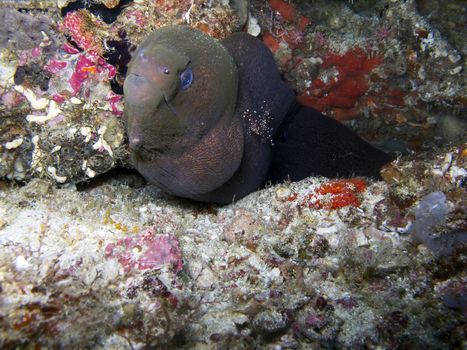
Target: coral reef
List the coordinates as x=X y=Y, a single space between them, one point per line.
x=61 y=81
x=343 y=83
x=59 y=107
x=113 y=266
x=322 y=263
x=146 y=252
x=333 y=195
x=381 y=67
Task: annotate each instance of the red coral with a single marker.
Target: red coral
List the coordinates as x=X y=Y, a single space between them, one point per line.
x=289 y=29
x=333 y=195
x=286 y=10
x=271 y=42
x=343 y=90
x=293 y=37
x=337 y=194
x=147 y=251
x=293 y=196
x=303 y=22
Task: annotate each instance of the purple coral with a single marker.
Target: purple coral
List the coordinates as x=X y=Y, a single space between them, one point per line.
x=148 y=250
x=320 y=39
x=347 y=302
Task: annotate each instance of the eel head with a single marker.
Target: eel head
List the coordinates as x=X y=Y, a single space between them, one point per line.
x=180 y=95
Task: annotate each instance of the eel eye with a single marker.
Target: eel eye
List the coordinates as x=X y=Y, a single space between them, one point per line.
x=186 y=78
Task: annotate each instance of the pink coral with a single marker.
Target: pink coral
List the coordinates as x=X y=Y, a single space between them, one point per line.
x=320 y=39
x=136 y=16
x=347 y=302
x=83 y=67
x=82 y=27
x=54 y=66
x=58 y=98
x=88 y=65
x=68 y=48
x=36 y=52
x=383 y=32
x=11 y=99
x=115 y=103
x=148 y=250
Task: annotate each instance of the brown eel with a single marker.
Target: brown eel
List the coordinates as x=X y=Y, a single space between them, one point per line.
x=213 y=121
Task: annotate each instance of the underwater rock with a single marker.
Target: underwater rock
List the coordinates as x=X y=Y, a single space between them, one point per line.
x=448 y=17
x=265 y=271
x=412 y=95
x=21 y=31
x=418 y=76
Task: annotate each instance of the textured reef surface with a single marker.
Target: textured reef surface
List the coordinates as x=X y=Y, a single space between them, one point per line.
x=310 y=265
x=94 y=258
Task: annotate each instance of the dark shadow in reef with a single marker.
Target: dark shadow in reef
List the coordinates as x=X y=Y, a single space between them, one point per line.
x=131 y=178
x=124 y=176
x=119 y=55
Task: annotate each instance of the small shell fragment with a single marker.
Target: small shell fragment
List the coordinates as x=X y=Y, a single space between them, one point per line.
x=14 y=144
x=253 y=26
x=90 y=173
x=53 y=112
x=53 y=172
x=75 y=101
x=36 y=103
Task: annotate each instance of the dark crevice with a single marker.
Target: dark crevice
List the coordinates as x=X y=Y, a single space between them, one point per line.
x=124 y=176
x=33 y=74
x=119 y=55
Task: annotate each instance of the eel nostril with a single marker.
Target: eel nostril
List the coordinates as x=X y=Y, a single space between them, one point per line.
x=135 y=142
x=142 y=56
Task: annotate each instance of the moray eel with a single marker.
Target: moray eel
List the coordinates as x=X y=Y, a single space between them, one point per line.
x=213 y=121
